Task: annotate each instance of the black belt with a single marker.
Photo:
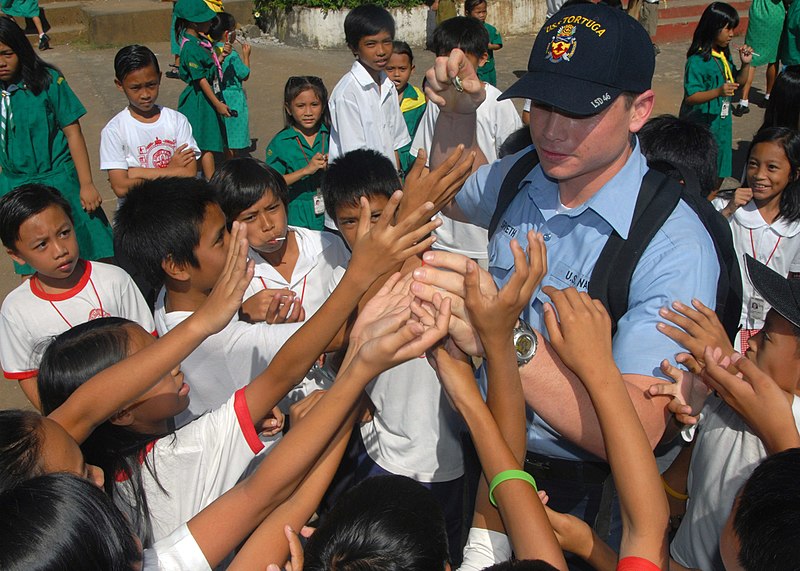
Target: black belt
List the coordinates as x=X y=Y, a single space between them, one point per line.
x=545 y=468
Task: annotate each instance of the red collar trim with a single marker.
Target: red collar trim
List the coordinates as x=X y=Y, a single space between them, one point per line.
x=37 y=290
x=124 y=476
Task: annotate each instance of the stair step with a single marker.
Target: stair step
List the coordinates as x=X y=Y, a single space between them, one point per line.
x=682 y=29
x=61 y=35
x=63 y=13
x=694 y=8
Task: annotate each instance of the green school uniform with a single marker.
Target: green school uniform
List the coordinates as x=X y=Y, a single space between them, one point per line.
x=237 y=129
x=413 y=107
x=789 y=53
x=197 y=64
x=20 y=8
x=35 y=150
x=701 y=75
x=288 y=152
x=487 y=71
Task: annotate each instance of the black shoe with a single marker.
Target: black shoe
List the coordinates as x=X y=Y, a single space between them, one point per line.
x=656 y=49
x=741 y=110
x=173 y=74
x=44 y=42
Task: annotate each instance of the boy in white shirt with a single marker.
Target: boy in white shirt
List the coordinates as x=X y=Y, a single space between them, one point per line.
x=144 y=140
x=298 y=264
x=414 y=431
x=363 y=105
x=496 y=120
x=36 y=228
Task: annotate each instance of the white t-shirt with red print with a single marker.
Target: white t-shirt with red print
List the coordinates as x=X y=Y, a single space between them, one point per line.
x=128 y=143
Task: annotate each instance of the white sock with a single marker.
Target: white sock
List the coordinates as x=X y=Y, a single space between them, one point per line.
x=766 y=97
x=744 y=103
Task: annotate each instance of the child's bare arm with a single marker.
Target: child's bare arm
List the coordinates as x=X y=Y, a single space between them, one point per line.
x=110 y=390
x=183 y=163
x=757 y=398
x=581 y=335
x=90 y=198
x=376 y=252
x=287 y=463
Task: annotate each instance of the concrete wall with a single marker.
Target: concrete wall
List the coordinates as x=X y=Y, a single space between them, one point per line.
x=313 y=27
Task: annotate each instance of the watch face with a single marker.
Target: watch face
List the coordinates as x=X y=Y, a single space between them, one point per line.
x=523 y=344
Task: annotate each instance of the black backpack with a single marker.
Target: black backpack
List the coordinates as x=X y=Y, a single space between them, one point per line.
x=658 y=197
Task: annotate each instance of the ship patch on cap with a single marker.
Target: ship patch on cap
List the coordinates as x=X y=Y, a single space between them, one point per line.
x=563 y=45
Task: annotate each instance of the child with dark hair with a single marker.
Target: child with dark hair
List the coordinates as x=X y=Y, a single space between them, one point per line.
x=66 y=290
x=363 y=105
x=235 y=71
x=683 y=143
x=478 y=9
x=711 y=79
x=765 y=216
x=496 y=120
x=144 y=140
x=414 y=432
x=783 y=108
x=300 y=151
x=412 y=99
x=726 y=447
x=292 y=264
x=42 y=141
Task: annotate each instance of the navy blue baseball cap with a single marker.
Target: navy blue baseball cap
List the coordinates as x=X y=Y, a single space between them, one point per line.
x=781 y=293
x=584 y=57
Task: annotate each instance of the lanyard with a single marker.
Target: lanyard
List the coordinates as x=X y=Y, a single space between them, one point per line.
x=302 y=150
x=302 y=292
x=726 y=68
x=753 y=246
x=99 y=302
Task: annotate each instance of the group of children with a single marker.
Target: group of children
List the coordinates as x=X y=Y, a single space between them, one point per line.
x=254 y=368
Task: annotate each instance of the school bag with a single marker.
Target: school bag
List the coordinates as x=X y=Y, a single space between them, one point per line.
x=658 y=196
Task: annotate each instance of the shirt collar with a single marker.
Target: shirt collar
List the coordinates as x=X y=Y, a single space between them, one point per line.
x=290 y=133
x=614 y=202
x=309 y=252
x=365 y=80
x=749 y=217
x=410 y=92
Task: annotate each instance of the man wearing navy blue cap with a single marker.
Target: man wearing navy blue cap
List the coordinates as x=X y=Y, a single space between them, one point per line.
x=589 y=78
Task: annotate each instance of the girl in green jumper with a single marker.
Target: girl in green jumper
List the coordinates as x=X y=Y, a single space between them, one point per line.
x=41 y=139
x=202 y=72
x=300 y=151
x=711 y=79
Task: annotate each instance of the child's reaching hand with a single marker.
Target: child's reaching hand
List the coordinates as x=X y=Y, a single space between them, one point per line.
x=757 y=398
x=226 y=296
x=383 y=246
x=392 y=299
x=688 y=392
x=741 y=196
x=494 y=315
x=581 y=333
x=397 y=338
x=697 y=329
x=454 y=369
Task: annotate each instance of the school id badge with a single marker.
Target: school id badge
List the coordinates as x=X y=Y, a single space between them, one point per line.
x=725 y=110
x=319 y=203
x=757 y=308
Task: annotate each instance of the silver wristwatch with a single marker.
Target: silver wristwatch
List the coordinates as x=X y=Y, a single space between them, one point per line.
x=525 y=342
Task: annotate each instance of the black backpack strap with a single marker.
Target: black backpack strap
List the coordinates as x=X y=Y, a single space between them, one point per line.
x=510 y=186
x=611 y=277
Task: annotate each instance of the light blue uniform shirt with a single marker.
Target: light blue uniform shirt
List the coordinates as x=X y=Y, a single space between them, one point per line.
x=680 y=263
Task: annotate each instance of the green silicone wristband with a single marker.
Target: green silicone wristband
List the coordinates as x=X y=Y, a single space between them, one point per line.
x=509 y=475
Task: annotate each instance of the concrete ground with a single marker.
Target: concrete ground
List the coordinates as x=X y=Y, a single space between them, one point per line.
x=90 y=73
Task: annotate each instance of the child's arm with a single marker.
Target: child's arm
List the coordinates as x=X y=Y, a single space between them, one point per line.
x=218 y=105
x=581 y=335
x=318 y=161
x=746 y=57
x=699 y=97
x=90 y=198
x=243 y=71
x=740 y=197
x=395 y=339
x=110 y=390
x=762 y=404
x=499 y=429
x=182 y=163
x=378 y=250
